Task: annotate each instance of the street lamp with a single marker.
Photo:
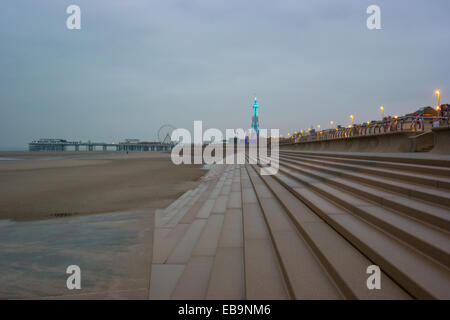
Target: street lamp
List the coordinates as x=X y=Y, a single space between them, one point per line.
x=382 y=112
x=438 y=93
x=353 y=119
x=332 y=123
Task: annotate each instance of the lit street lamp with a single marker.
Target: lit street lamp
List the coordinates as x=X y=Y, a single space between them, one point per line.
x=382 y=112
x=438 y=93
x=353 y=119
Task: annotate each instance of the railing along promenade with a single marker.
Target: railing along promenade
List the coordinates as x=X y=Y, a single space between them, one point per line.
x=399 y=124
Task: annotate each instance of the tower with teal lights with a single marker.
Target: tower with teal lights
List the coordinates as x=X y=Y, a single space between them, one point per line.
x=255 y=120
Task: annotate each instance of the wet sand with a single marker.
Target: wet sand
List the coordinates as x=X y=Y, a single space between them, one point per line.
x=46 y=185
x=105 y=204
x=113 y=251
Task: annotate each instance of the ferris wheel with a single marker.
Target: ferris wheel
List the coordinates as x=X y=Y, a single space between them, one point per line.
x=165 y=134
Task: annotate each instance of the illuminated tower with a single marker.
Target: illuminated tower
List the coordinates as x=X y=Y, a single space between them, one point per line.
x=255 y=121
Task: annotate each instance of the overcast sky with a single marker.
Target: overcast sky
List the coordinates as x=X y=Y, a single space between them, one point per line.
x=138 y=64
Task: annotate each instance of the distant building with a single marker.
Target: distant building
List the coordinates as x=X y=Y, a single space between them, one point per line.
x=253 y=137
x=132 y=140
x=46 y=140
x=255 y=117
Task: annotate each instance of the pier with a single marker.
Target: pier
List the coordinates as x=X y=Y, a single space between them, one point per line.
x=127 y=145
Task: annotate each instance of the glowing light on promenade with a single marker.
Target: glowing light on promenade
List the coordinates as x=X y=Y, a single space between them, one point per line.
x=332 y=123
x=382 y=112
x=353 y=118
x=438 y=93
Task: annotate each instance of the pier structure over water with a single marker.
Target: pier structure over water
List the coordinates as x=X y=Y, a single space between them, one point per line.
x=127 y=145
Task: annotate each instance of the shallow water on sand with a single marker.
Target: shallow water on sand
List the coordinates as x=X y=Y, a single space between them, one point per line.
x=112 y=250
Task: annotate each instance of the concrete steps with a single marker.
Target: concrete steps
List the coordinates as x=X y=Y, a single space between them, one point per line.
x=410 y=223
x=177 y=230
x=186 y=242
x=422 y=277
x=303 y=273
x=427 y=211
x=263 y=275
x=442 y=161
x=411 y=176
x=374 y=162
x=432 y=194
x=340 y=263
x=431 y=240
x=309 y=232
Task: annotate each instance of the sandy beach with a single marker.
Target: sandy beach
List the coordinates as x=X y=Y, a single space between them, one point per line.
x=46 y=185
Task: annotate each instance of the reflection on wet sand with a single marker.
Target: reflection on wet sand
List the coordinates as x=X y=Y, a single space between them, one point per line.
x=113 y=251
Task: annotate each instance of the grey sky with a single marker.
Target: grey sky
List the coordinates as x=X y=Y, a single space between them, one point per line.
x=138 y=64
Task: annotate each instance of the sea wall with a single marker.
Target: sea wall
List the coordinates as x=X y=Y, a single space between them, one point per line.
x=385 y=142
